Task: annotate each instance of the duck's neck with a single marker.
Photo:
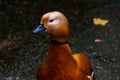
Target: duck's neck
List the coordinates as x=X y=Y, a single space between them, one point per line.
x=60 y=57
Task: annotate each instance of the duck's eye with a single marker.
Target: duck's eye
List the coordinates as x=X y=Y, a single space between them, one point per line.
x=51 y=20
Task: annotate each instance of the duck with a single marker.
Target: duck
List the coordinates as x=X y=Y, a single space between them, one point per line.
x=61 y=63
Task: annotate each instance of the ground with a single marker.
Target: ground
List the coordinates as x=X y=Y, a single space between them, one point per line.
x=21 y=52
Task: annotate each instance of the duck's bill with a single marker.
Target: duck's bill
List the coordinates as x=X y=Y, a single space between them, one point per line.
x=40 y=28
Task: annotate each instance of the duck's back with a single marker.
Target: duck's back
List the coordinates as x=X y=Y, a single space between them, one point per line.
x=83 y=63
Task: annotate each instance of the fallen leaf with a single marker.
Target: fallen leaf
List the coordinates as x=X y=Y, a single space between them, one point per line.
x=99 y=21
x=98 y=40
x=5 y=43
x=98 y=67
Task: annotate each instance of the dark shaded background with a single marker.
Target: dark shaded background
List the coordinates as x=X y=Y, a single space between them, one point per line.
x=21 y=52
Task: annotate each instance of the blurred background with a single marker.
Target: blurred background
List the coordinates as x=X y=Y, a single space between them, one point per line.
x=21 y=52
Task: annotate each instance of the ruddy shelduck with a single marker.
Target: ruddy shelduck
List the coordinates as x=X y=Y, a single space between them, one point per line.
x=60 y=63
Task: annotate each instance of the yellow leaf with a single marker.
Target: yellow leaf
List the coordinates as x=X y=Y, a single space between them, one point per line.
x=99 y=21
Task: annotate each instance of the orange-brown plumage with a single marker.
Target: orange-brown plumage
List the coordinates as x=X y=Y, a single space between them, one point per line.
x=83 y=63
x=61 y=64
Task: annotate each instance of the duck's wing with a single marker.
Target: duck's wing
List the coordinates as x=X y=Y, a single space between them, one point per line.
x=84 y=64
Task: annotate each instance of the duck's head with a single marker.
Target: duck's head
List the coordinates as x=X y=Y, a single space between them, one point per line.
x=55 y=24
